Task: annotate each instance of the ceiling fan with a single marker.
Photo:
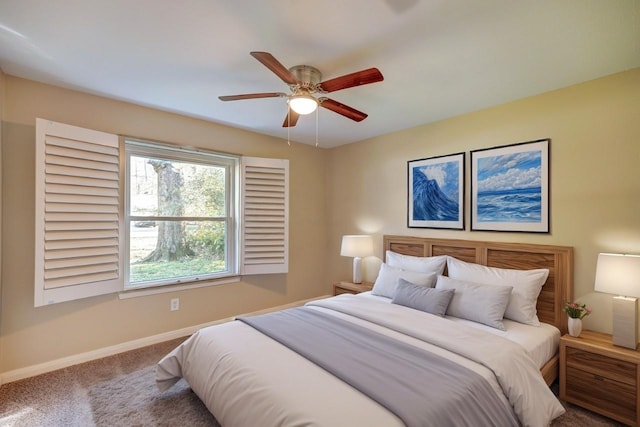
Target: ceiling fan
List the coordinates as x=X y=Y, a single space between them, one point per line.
x=305 y=81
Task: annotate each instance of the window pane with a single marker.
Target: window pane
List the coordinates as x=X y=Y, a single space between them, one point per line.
x=162 y=250
x=143 y=187
x=173 y=188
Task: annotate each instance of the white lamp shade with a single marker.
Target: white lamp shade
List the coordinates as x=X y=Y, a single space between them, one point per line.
x=356 y=246
x=303 y=104
x=618 y=274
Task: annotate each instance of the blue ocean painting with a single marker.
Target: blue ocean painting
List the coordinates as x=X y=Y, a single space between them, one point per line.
x=436 y=192
x=510 y=188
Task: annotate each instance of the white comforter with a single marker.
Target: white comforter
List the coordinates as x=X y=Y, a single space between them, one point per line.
x=247 y=379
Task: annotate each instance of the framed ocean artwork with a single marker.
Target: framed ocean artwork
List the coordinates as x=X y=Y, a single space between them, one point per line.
x=510 y=187
x=436 y=192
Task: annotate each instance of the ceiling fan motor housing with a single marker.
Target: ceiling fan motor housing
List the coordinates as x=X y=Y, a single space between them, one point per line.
x=308 y=76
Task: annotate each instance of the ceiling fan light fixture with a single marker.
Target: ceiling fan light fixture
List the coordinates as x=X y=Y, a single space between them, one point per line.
x=303 y=104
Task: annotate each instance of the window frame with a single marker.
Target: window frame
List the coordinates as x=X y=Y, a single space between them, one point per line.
x=231 y=163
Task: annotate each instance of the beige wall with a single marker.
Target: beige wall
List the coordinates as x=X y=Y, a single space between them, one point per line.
x=595 y=176
x=32 y=336
x=595 y=200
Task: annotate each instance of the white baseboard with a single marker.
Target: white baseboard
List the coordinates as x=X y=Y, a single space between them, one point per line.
x=53 y=365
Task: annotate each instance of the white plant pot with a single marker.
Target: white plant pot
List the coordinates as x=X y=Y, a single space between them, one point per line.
x=575 y=327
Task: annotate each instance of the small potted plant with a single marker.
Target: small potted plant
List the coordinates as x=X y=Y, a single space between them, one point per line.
x=576 y=313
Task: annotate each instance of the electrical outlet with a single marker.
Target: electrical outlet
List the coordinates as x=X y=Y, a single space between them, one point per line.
x=175 y=304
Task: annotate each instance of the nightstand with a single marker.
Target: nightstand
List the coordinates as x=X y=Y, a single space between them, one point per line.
x=351 y=288
x=600 y=377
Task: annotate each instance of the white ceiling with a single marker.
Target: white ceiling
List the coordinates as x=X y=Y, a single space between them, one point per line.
x=439 y=58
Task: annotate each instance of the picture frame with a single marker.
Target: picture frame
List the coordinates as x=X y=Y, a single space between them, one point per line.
x=510 y=187
x=436 y=192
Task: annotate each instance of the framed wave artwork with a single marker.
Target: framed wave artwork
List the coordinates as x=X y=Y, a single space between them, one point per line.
x=510 y=187
x=436 y=192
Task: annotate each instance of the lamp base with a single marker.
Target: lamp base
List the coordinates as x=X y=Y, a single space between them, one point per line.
x=625 y=322
x=357 y=270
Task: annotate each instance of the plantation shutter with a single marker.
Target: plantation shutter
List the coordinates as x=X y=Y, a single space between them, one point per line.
x=78 y=231
x=265 y=216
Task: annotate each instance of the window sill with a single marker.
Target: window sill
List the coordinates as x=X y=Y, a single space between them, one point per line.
x=142 y=292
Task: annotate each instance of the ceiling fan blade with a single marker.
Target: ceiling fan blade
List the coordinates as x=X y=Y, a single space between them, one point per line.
x=345 y=110
x=275 y=66
x=251 y=96
x=359 y=78
x=291 y=119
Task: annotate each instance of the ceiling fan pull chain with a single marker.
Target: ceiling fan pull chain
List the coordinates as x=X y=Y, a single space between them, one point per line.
x=317 y=109
x=288 y=124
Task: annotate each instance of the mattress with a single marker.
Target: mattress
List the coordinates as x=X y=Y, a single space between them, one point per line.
x=540 y=342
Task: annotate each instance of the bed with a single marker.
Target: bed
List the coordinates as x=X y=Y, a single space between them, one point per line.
x=283 y=369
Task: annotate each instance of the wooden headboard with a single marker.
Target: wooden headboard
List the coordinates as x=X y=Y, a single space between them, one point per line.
x=558 y=259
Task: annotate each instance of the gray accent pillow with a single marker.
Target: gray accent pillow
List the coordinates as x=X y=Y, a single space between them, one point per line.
x=430 y=300
x=478 y=302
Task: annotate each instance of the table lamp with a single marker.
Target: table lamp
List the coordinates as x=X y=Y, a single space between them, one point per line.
x=620 y=274
x=357 y=246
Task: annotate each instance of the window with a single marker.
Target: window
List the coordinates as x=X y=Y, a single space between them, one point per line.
x=172 y=216
x=180 y=213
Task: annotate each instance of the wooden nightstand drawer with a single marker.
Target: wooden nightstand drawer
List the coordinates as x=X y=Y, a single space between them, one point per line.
x=351 y=288
x=339 y=290
x=603 y=366
x=596 y=391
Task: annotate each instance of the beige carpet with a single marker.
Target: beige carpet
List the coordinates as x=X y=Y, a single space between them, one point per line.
x=141 y=404
x=115 y=391
x=120 y=391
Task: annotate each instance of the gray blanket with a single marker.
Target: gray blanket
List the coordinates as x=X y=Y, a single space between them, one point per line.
x=421 y=388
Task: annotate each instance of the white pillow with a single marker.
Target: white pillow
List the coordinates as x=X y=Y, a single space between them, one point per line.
x=387 y=280
x=433 y=264
x=526 y=284
x=477 y=302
